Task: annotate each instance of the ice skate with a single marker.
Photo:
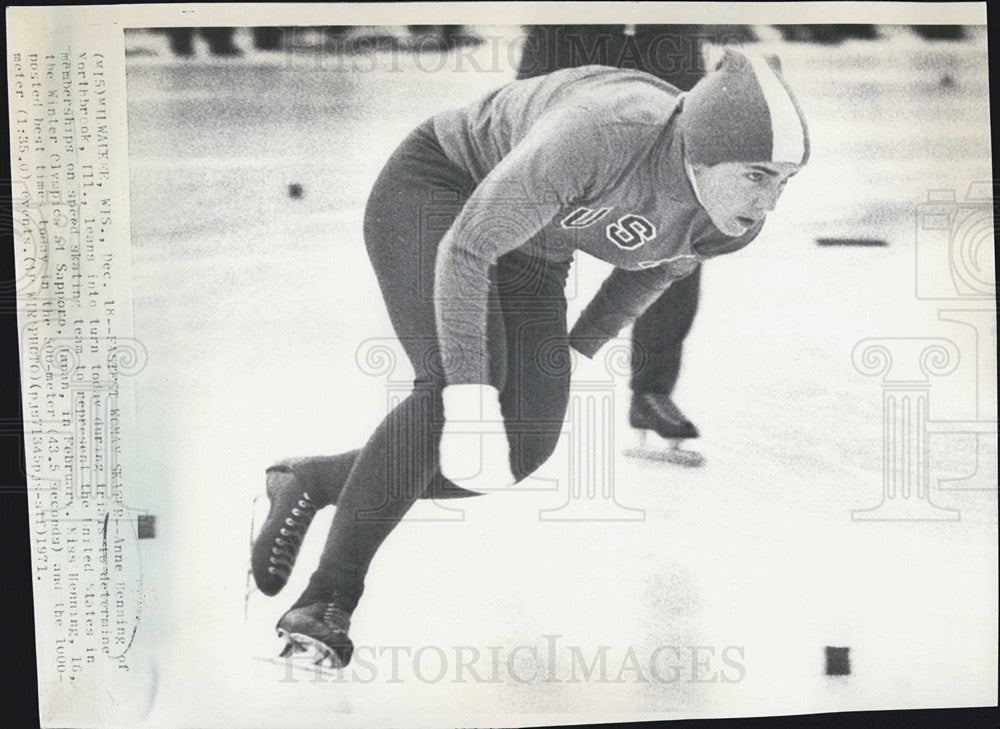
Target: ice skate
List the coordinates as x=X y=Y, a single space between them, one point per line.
x=322 y=626
x=658 y=413
x=274 y=552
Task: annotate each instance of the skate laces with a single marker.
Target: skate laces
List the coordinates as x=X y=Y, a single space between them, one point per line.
x=286 y=545
x=336 y=618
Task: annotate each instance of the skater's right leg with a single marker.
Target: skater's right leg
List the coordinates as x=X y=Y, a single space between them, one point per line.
x=402 y=246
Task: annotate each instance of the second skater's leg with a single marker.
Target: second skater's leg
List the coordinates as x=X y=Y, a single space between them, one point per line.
x=657 y=345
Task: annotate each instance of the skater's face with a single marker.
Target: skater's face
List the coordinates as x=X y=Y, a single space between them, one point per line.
x=737 y=195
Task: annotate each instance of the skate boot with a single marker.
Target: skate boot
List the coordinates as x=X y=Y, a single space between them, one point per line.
x=277 y=546
x=658 y=413
x=652 y=411
x=322 y=626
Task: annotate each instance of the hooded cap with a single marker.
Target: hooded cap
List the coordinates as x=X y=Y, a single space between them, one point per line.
x=743 y=111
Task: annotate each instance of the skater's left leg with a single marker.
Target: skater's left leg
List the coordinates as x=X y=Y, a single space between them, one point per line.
x=400 y=462
x=402 y=248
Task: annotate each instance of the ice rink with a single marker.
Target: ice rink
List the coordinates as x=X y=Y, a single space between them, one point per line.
x=258 y=309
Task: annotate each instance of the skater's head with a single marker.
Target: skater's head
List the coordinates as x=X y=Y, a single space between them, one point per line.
x=744 y=136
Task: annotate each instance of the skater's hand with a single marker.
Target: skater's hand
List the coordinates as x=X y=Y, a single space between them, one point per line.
x=474 y=450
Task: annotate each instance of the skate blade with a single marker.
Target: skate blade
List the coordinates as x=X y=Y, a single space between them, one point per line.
x=324 y=656
x=251 y=584
x=670 y=454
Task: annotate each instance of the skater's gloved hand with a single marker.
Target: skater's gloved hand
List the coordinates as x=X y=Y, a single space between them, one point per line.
x=474 y=450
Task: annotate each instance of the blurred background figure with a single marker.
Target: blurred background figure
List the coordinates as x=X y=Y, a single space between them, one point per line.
x=549 y=47
x=833 y=34
x=220 y=41
x=442 y=37
x=939 y=32
x=332 y=38
x=267 y=38
x=827 y=34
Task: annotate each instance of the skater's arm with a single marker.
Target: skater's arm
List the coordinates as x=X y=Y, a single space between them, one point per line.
x=625 y=295
x=622 y=298
x=558 y=162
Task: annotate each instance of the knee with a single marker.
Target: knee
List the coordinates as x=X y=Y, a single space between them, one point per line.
x=429 y=385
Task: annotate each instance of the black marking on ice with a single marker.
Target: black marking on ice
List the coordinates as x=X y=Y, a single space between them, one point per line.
x=864 y=242
x=838 y=661
x=146 y=526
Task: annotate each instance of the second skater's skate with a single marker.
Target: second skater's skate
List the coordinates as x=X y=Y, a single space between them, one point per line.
x=657 y=412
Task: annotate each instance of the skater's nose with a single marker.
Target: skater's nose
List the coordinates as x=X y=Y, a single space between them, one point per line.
x=766 y=200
